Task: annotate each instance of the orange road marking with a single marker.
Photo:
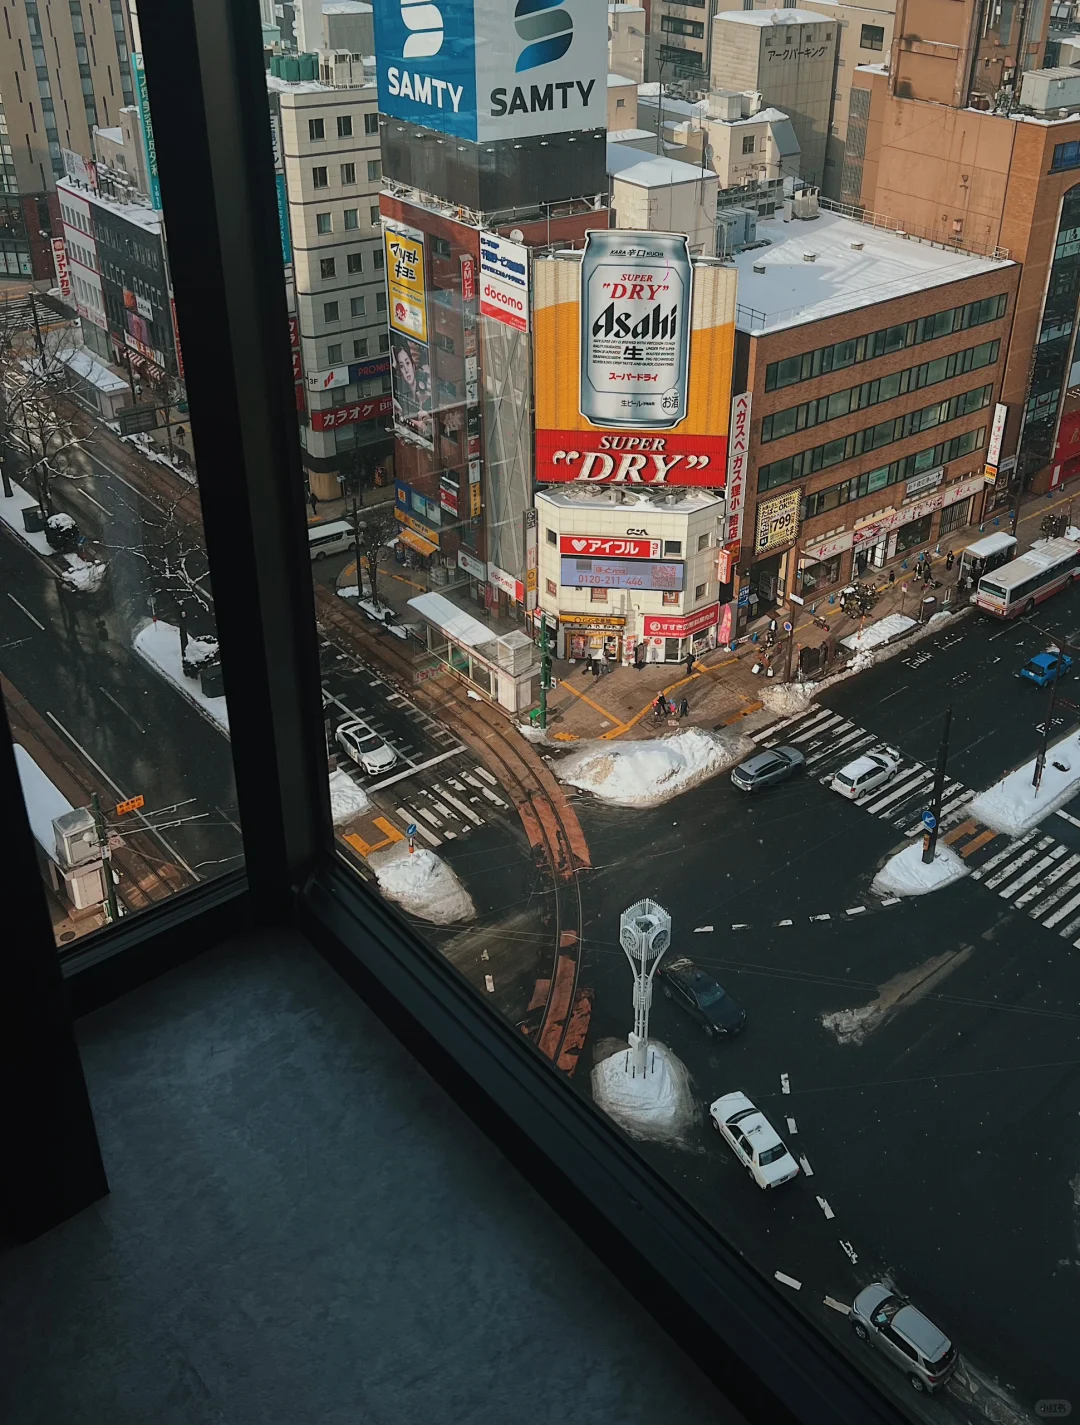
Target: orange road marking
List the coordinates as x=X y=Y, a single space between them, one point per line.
x=980 y=840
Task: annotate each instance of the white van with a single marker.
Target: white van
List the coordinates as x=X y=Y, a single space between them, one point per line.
x=336 y=537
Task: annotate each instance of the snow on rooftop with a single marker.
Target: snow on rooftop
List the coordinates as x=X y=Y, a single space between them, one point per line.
x=778 y=18
x=141 y=215
x=345 y=7
x=452 y=620
x=44 y=802
x=297 y=86
x=619 y=81
x=83 y=364
x=630 y=135
x=646 y=170
x=840 y=279
x=113 y=135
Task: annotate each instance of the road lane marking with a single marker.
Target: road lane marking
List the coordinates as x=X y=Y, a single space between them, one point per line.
x=121 y=708
x=1001 y=856
x=122 y=796
x=411 y=819
x=1055 y=875
x=840 y=1306
x=418 y=767
x=1065 y=815
x=791 y=1126
x=1060 y=915
x=855 y=909
x=891 y=900
x=489 y=984
x=826 y=1209
x=1055 y=896
x=792 y=1282
x=807 y=1169
x=1032 y=872
x=1010 y=869
x=27 y=612
x=983 y=839
x=702 y=929
x=465 y=811
x=87 y=496
x=785 y=1085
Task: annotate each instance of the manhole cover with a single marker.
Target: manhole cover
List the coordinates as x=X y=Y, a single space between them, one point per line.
x=67 y=935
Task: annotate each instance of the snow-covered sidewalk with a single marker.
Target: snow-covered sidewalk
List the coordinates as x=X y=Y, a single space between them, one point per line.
x=649 y=772
x=158 y=644
x=905 y=874
x=878 y=633
x=422 y=883
x=346 y=798
x=376 y=612
x=1013 y=805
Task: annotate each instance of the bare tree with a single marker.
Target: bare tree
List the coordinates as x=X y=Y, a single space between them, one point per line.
x=379 y=526
x=173 y=557
x=37 y=436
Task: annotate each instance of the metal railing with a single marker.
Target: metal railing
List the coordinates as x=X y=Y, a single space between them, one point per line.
x=884 y=223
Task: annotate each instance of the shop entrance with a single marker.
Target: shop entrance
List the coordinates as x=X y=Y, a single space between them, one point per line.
x=765 y=579
x=869 y=556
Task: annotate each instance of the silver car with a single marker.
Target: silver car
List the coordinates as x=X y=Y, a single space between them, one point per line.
x=889 y=1321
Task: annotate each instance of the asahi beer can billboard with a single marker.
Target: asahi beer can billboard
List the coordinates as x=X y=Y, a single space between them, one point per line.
x=635 y=328
x=633 y=343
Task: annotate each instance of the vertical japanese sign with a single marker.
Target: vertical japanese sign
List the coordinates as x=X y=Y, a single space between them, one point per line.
x=468 y=279
x=993 y=449
x=283 y=218
x=405 y=281
x=63 y=273
x=143 y=101
x=738 y=455
x=532 y=519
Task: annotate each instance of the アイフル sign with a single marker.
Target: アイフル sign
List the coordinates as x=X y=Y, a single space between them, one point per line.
x=587 y=544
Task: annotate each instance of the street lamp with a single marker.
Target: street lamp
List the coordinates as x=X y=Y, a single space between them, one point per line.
x=644 y=934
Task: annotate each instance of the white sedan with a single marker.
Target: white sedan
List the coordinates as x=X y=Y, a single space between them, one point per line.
x=871 y=770
x=753 y=1139
x=365 y=747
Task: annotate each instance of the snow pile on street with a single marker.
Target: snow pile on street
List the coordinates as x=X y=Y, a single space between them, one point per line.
x=346 y=798
x=11 y=513
x=653 y=1104
x=151 y=452
x=647 y=773
x=423 y=884
x=200 y=651
x=348 y=591
x=158 y=643
x=59 y=522
x=378 y=612
x=82 y=576
x=1013 y=805
x=788 y=698
x=905 y=874
x=878 y=633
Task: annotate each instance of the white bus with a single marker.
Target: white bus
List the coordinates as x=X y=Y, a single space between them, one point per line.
x=990 y=552
x=1015 y=588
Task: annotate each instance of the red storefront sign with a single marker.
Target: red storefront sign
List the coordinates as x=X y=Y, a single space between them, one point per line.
x=682 y=625
x=587 y=544
x=725 y=565
x=1067 y=445
x=468 y=279
x=598 y=457
x=368 y=410
x=60 y=262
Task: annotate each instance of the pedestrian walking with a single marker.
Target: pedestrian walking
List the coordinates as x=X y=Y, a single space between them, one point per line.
x=639 y=656
x=690 y=661
x=181 y=434
x=660 y=706
x=588 y=664
x=313 y=501
x=596 y=668
x=684 y=709
x=892 y=577
x=949 y=559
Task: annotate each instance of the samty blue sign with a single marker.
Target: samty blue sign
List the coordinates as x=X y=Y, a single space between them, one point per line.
x=486 y=70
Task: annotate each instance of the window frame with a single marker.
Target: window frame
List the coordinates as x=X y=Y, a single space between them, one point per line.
x=207 y=85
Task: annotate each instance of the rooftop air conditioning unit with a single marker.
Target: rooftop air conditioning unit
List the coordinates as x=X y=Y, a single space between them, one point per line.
x=809 y=257
x=857 y=246
x=759 y=268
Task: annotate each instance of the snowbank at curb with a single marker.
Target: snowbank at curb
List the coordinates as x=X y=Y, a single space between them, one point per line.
x=1013 y=805
x=423 y=884
x=655 y=1104
x=159 y=645
x=905 y=874
x=346 y=798
x=649 y=772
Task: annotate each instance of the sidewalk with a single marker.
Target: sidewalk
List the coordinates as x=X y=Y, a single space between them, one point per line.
x=722 y=689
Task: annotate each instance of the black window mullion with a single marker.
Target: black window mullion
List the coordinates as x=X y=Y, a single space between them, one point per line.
x=207 y=90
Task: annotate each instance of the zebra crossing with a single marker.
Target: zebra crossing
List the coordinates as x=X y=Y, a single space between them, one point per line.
x=451 y=807
x=829 y=741
x=1034 y=873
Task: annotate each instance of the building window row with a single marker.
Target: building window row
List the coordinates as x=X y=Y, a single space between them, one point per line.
x=846 y=447
x=873 y=393
x=870 y=481
x=1066 y=155
x=672 y=25
x=853 y=350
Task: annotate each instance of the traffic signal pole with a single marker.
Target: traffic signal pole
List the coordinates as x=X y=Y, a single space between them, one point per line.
x=930 y=839
x=106 y=858
x=545 y=669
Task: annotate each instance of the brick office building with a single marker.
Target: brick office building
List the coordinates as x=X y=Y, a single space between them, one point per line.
x=874 y=364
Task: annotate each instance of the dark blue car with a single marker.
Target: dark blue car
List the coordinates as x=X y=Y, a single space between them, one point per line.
x=1043 y=668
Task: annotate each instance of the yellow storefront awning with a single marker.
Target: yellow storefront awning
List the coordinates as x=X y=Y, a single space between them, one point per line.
x=417 y=541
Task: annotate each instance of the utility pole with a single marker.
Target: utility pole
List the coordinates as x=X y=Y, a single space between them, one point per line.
x=1040 y=760
x=356 y=551
x=545 y=669
x=931 y=836
x=106 y=858
x=37 y=328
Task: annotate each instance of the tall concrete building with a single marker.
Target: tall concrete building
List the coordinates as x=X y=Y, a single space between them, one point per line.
x=963 y=139
x=329 y=177
x=679 y=47
x=789 y=57
x=63 y=69
x=865 y=33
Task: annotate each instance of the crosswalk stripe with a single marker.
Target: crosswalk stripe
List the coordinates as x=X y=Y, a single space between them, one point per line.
x=466 y=811
x=1059 y=915
x=409 y=818
x=1054 y=898
x=803 y=720
x=775 y=727
x=1010 y=868
x=830 y=723
x=1001 y=856
x=896 y=793
x=1028 y=876
x=1055 y=875
x=841 y=753
x=483 y=772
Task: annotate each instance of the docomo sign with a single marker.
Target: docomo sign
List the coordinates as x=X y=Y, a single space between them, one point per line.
x=585 y=544
x=680 y=626
x=626 y=459
x=504 y=281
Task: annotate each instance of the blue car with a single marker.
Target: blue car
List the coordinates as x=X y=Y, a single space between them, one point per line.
x=1043 y=668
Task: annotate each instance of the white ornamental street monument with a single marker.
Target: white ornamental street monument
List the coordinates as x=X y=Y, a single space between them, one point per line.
x=644 y=934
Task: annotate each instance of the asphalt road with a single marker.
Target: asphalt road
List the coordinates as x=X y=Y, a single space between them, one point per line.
x=947 y=1141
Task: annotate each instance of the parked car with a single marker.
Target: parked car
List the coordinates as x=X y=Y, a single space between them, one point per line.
x=1043 y=668
x=365 y=747
x=753 y=1139
x=870 y=770
x=709 y=1003
x=775 y=764
x=889 y=1321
